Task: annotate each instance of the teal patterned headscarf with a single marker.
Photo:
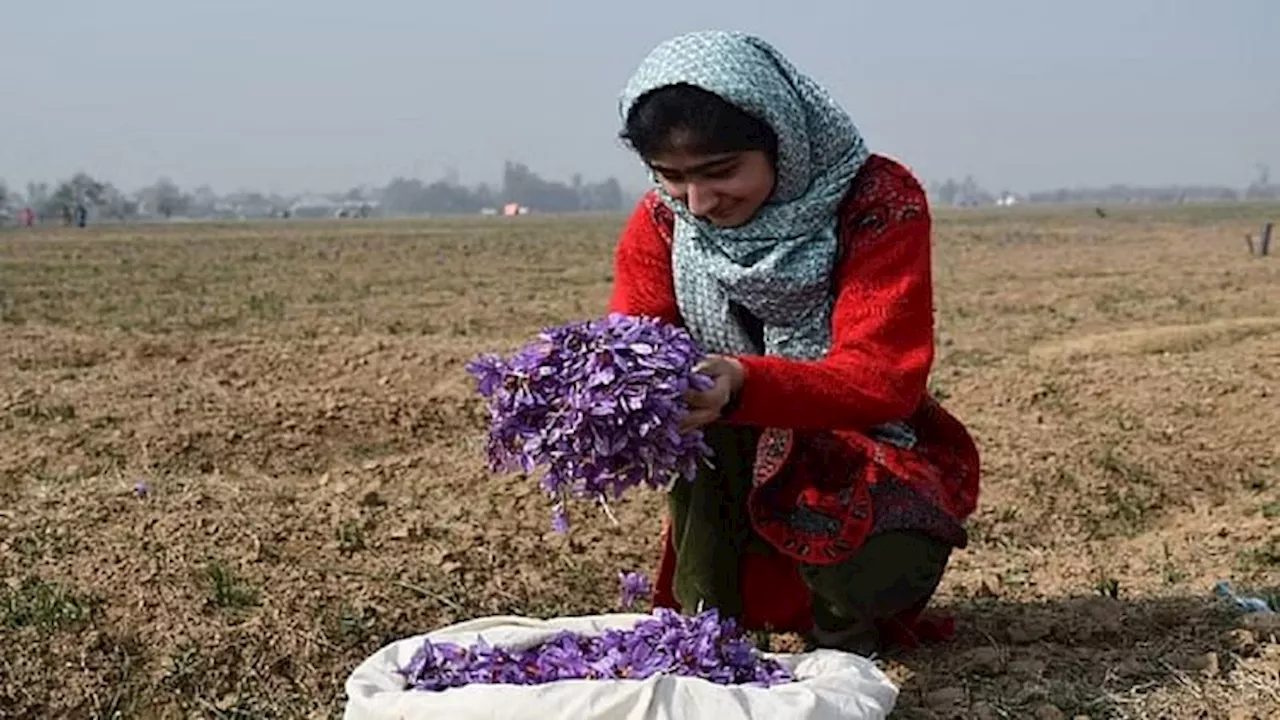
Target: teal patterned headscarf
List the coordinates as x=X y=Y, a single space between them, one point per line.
x=778 y=266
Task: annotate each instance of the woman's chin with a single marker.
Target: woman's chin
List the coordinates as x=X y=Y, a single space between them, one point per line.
x=730 y=221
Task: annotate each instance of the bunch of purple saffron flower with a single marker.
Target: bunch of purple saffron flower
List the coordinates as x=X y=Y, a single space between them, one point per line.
x=704 y=646
x=596 y=405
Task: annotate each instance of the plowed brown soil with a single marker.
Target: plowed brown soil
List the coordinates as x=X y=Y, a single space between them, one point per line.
x=291 y=398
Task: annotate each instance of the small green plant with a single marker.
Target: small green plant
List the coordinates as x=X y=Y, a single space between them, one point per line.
x=265 y=306
x=354 y=624
x=1266 y=556
x=225 y=589
x=1107 y=586
x=1172 y=575
x=351 y=536
x=42 y=604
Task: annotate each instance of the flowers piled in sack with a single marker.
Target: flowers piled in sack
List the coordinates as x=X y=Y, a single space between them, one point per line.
x=705 y=646
x=596 y=406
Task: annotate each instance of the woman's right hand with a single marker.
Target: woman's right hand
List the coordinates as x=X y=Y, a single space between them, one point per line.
x=706 y=406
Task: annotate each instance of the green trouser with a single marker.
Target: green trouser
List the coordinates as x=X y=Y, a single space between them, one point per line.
x=710 y=528
x=891 y=573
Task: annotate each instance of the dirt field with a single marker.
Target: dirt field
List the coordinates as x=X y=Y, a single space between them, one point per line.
x=291 y=401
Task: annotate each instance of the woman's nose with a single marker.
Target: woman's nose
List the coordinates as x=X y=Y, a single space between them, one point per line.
x=699 y=199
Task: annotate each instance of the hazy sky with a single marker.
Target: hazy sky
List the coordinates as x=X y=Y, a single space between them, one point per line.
x=323 y=95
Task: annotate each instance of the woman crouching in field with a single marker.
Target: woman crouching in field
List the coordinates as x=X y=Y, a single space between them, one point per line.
x=802 y=262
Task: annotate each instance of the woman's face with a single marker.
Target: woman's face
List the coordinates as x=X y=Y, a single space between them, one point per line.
x=725 y=189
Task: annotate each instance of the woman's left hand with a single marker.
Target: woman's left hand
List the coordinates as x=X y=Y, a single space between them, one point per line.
x=705 y=406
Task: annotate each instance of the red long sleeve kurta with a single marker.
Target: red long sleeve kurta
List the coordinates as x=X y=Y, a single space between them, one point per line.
x=815 y=456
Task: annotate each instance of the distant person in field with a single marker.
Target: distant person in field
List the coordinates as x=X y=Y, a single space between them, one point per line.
x=801 y=262
x=82 y=215
x=27 y=217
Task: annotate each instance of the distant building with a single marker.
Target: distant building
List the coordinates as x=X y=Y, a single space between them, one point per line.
x=322 y=207
x=314 y=207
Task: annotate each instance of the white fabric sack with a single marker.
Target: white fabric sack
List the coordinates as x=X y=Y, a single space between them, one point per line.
x=830 y=685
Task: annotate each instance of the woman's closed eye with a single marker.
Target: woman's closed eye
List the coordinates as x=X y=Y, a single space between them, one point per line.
x=720 y=173
x=718 y=170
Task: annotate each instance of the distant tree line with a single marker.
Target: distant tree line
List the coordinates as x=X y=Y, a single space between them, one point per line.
x=162 y=199
x=401 y=196
x=520 y=185
x=968 y=193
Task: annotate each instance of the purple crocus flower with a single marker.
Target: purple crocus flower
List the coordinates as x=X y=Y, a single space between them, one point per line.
x=559 y=520
x=596 y=407
x=635 y=587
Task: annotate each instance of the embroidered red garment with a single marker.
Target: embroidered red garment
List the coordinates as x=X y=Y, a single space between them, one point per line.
x=818 y=493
